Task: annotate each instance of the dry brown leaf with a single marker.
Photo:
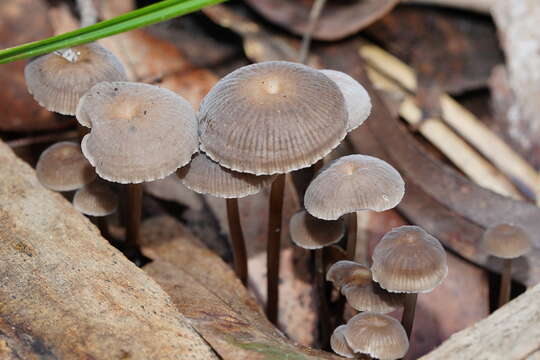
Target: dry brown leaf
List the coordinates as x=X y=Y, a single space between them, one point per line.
x=338 y=18
x=447 y=49
x=208 y=293
x=66 y=293
x=23 y=21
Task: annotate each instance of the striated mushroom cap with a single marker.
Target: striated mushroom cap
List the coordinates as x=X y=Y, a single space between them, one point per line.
x=139 y=132
x=339 y=344
x=353 y=183
x=272 y=117
x=356 y=98
x=62 y=167
x=377 y=335
x=311 y=233
x=409 y=260
x=57 y=82
x=361 y=292
x=205 y=176
x=95 y=199
x=506 y=241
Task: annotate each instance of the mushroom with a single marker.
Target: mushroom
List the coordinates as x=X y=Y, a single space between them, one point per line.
x=377 y=335
x=362 y=293
x=139 y=133
x=62 y=167
x=205 y=176
x=339 y=344
x=409 y=260
x=311 y=233
x=353 y=183
x=96 y=200
x=356 y=98
x=272 y=118
x=508 y=242
x=58 y=80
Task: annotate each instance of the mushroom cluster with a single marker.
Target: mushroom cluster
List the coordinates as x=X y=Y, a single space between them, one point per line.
x=255 y=125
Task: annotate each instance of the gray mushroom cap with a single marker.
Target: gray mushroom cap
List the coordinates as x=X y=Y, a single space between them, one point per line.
x=354 y=183
x=272 y=117
x=139 y=132
x=57 y=81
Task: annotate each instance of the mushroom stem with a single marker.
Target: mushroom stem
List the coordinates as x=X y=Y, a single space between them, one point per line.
x=409 y=309
x=273 y=247
x=314 y=15
x=103 y=226
x=324 y=316
x=352 y=235
x=506 y=282
x=237 y=240
x=134 y=211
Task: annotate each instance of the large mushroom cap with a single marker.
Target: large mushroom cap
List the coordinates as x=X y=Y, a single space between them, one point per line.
x=57 y=82
x=139 y=133
x=311 y=233
x=356 y=283
x=377 y=335
x=339 y=344
x=408 y=259
x=62 y=167
x=353 y=183
x=272 y=117
x=356 y=98
x=95 y=199
x=506 y=241
x=205 y=176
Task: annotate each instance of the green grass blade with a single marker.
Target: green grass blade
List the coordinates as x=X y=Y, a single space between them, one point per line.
x=148 y=15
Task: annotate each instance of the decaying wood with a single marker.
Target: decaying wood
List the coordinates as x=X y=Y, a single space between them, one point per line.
x=65 y=293
x=208 y=293
x=461 y=120
x=517 y=23
x=510 y=333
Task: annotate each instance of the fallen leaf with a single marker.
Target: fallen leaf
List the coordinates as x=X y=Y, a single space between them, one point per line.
x=23 y=21
x=447 y=49
x=66 y=293
x=338 y=18
x=208 y=293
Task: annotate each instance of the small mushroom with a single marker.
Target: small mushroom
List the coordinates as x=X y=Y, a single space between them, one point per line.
x=139 y=133
x=339 y=344
x=58 y=80
x=377 y=335
x=96 y=200
x=205 y=176
x=272 y=118
x=356 y=98
x=62 y=167
x=362 y=293
x=311 y=233
x=508 y=242
x=353 y=183
x=409 y=260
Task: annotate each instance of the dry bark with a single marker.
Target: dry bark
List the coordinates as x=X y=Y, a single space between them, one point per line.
x=517 y=22
x=510 y=333
x=65 y=293
x=207 y=291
